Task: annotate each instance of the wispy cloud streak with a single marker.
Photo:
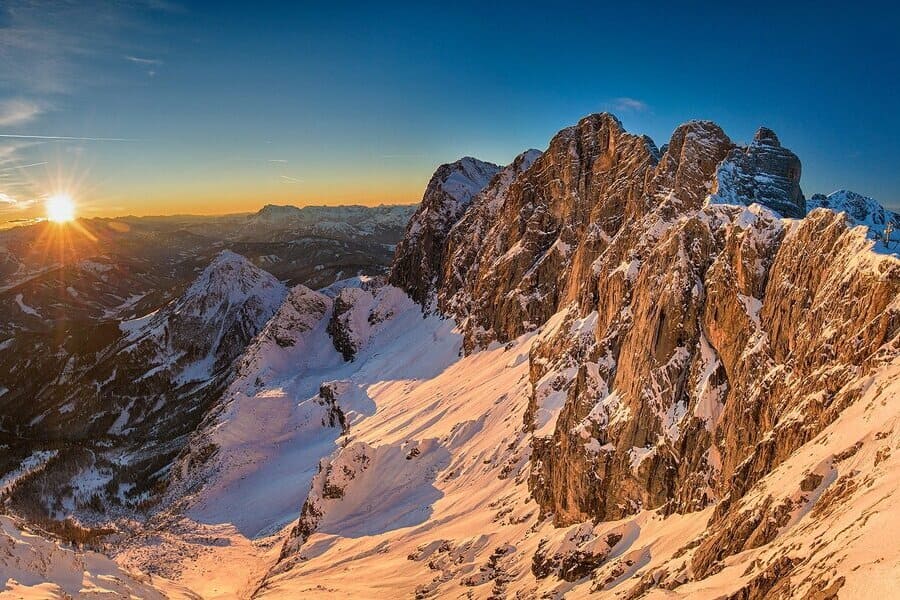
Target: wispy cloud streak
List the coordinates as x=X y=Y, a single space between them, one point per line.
x=17 y=111
x=143 y=61
x=625 y=103
x=17 y=167
x=65 y=138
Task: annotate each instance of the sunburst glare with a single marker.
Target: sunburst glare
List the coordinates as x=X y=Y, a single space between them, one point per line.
x=60 y=208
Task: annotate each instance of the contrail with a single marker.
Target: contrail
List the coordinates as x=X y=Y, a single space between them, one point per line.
x=37 y=164
x=64 y=137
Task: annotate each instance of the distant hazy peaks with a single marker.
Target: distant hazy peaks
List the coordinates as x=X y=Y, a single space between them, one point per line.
x=275 y=212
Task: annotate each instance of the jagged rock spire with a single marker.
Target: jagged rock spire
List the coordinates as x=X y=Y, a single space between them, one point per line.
x=417 y=262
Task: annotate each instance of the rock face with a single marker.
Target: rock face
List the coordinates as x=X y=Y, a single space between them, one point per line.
x=544 y=230
x=763 y=172
x=420 y=254
x=357 y=313
x=692 y=392
x=570 y=201
x=690 y=338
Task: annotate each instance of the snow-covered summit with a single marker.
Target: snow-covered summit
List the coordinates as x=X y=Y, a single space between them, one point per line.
x=466 y=178
x=861 y=210
x=230 y=281
x=449 y=194
x=209 y=325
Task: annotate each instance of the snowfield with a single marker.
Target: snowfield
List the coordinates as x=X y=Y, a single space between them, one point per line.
x=33 y=567
x=425 y=494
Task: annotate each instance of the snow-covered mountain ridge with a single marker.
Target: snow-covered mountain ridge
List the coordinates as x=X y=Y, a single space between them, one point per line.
x=680 y=321
x=608 y=370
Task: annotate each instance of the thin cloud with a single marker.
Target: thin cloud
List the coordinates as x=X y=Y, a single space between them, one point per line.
x=10 y=152
x=9 y=203
x=65 y=138
x=28 y=166
x=17 y=111
x=291 y=179
x=143 y=61
x=55 y=47
x=625 y=103
x=277 y=160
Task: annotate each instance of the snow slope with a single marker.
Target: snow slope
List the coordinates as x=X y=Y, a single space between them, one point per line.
x=454 y=517
x=271 y=435
x=34 y=567
x=274 y=427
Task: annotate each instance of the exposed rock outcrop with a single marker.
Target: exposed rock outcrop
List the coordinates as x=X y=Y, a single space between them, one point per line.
x=359 y=312
x=552 y=218
x=764 y=172
x=419 y=256
x=691 y=337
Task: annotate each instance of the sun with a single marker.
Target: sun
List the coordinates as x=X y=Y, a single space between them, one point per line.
x=60 y=208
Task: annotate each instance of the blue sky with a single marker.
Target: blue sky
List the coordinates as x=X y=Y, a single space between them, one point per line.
x=223 y=107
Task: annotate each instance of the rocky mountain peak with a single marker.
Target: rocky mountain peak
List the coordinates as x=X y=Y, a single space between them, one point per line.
x=206 y=328
x=539 y=235
x=688 y=162
x=449 y=194
x=767 y=137
x=230 y=280
x=763 y=172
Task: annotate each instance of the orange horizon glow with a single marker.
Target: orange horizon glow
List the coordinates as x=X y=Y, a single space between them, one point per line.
x=208 y=205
